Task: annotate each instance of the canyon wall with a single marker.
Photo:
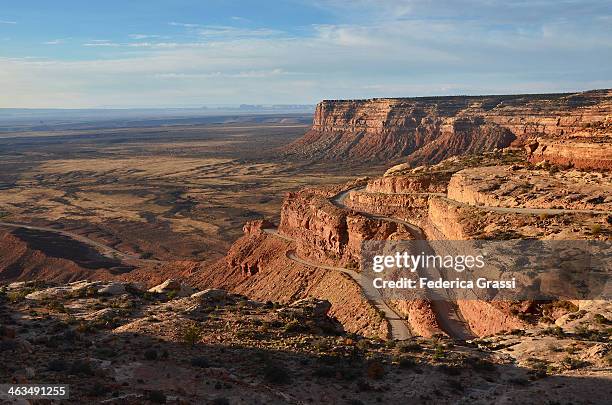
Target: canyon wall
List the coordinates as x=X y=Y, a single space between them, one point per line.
x=430 y=129
x=327 y=234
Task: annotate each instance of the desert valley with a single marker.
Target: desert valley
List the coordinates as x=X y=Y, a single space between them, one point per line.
x=223 y=262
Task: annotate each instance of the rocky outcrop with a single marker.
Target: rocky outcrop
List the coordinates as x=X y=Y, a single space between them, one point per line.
x=280 y=279
x=256 y=227
x=414 y=183
x=486 y=318
x=172 y=287
x=516 y=187
x=328 y=234
x=312 y=313
x=84 y=288
x=421 y=315
x=573 y=152
x=429 y=129
x=413 y=207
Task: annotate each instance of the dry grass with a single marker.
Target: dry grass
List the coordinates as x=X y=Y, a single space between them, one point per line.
x=176 y=193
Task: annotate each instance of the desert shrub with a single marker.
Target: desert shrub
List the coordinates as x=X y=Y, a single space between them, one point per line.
x=518 y=381
x=572 y=349
x=455 y=385
x=439 y=352
x=325 y=372
x=192 y=335
x=375 y=370
x=481 y=365
x=600 y=319
x=406 y=362
x=321 y=345
x=362 y=345
x=97 y=390
x=571 y=363
x=86 y=327
x=539 y=368
x=276 y=374
x=449 y=369
x=17 y=296
x=554 y=331
x=105 y=353
x=58 y=364
x=56 y=306
x=294 y=326
x=150 y=354
x=200 y=361
x=406 y=347
x=583 y=331
x=157 y=397
x=81 y=367
x=351 y=373
x=149 y=296
x=353 y=265
x=596 y=229
x=70 y=335
x=363 y=385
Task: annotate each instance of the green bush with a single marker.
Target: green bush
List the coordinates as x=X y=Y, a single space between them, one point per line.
x=406 y=347
x=596 y=229
x=294 y=326
x=407 y=362
x=192 y=335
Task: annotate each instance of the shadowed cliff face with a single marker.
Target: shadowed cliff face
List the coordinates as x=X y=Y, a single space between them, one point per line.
x=431 y=129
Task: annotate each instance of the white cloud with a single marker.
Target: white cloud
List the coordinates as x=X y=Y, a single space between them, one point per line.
x=145 y=36
x=101 y=44
x=54 y=42
x=229 y=32
x=8 y=22
x=399 y=51
x=184 y=25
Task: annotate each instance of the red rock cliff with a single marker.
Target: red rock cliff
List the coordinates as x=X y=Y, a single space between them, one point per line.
x=430 y=129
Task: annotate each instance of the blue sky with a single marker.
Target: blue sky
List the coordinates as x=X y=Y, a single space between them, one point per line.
x=110 y=53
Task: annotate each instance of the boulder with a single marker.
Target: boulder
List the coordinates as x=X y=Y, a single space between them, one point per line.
x=105 y=314
x=106 y=288
x=312 y=312
x=113 y=289
x=212 y=294
x=62 y=291
x=256 y=227
x=170 y=285
x=312 y=307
